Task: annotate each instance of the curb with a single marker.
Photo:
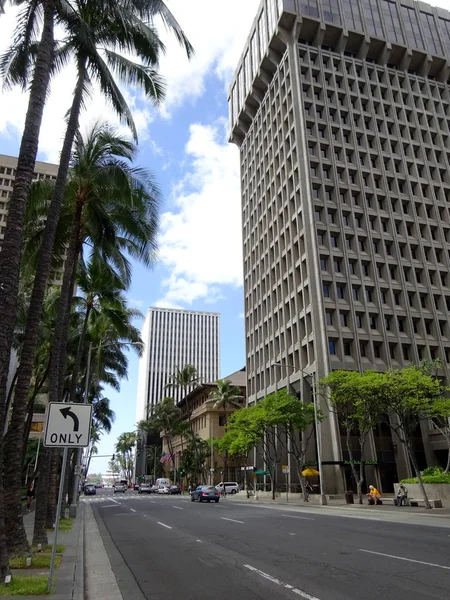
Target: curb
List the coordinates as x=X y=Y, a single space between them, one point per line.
x=78 y=578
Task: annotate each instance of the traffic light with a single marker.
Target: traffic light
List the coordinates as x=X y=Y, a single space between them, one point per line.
x=113 y=457
x=181 y=473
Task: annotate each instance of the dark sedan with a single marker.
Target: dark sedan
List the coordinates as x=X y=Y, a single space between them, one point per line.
x=174 y=490
x=205 y=493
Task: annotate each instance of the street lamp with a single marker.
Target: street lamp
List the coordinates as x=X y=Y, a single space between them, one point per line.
x=323 y=498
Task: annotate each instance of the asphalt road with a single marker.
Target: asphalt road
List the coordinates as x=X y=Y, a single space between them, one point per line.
x=168 y=547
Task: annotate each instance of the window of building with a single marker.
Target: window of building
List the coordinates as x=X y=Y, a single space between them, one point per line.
x=347 y=349
x=369 y=295
x=355 y=293
x=387 y=323
x=373 y=322
x=332 y=346
x=326 y=290
x=358 y=321
x=343 y=319
x=340 y=292
x=323 y=264
x=329 y=317
x=363 y=349
x=377 y=350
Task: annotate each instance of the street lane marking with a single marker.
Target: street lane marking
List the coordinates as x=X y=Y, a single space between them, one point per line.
x=132 y=510
x=112 y=500
x=292 y=534
x=164 y=525
x=295 y=517
x=109 y=505
x=420 y=562
x=234 y=520
x=177 y=507
x=287 y=586
x=152 y=501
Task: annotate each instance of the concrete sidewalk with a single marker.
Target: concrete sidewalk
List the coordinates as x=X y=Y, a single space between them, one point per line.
x=85 y=572
x=336 y=506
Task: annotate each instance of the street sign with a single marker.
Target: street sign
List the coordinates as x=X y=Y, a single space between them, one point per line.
x=211 y=469
x=285 y=469
x=247 y=468
x=67 y=425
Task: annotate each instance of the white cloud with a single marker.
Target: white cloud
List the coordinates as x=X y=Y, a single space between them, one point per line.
x=136 y=303
x=184 y=79
x=200 y=241
x=217 y=30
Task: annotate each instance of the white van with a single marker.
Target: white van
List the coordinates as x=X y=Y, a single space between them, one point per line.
x=162 y=482
x=231 y=487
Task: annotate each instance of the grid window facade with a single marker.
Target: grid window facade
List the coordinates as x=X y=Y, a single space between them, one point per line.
x=346 y=195
x=175 y=338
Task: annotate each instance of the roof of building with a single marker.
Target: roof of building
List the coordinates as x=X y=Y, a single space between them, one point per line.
x=238 y=378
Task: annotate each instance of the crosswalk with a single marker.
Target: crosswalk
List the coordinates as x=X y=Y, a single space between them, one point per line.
x=128 y=497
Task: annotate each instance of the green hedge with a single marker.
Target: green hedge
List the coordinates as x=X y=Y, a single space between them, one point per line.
x=429 y=479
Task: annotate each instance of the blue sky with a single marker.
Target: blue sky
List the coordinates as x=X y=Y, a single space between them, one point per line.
x=185 y=146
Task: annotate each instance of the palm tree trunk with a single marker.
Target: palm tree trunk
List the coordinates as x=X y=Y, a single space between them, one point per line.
x=4 y=559
x=80 y=351
x=12 y=243
x=9 y=401
x=52 y=489
x=17 y=541
x=60 y=338
x=40 y=517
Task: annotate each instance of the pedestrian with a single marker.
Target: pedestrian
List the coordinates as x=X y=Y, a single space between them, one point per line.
x=374 y=496
x=308 y=490
x=30 y=494
x=402 y=495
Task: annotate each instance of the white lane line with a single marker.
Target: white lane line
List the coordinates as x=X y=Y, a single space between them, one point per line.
x=109 y=505
x=292 y=534
x=177 y=507
x=152 y=501
x=200 y=541
x=295 y=517
x=419 y=562
x=132 y=510
x=164 y=525
x=112 y=500
x=234 y=520
x=282 y=583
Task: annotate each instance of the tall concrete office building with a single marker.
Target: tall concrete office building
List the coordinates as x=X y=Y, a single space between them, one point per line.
x=174 y=338
x=341 y=112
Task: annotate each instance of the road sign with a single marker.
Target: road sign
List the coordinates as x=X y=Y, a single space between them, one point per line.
x=67 y=425
x=285 y=469
x=211 y=469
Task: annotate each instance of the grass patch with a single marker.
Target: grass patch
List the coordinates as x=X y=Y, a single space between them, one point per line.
x=64 y=525
x=38 y=561
x=23 y=585
x=60 y=548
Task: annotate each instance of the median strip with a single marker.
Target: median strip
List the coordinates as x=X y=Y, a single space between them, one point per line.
x=287 y=586
x=233 y=520
x=164 y=525
x=419 y=562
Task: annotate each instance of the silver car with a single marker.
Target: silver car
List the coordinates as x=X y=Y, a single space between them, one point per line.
x=120 y=487
x=145 y=488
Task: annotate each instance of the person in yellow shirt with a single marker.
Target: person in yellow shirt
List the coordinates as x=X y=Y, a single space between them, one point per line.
x=374 y=496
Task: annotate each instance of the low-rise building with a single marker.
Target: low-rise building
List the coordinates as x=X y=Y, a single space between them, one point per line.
x=207 y=422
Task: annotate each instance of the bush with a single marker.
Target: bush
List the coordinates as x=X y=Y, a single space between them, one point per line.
x=433 y=471
x=438 y=478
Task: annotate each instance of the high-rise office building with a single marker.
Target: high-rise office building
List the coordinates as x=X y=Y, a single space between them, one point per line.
x=175 y=338
x=341 y=112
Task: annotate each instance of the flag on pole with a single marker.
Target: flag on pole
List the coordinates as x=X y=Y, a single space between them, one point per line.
x=163 y=458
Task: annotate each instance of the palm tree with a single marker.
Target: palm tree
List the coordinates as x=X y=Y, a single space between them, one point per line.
x=225 y=396
x=124 y=448
x=91 y=31
x=184 y=379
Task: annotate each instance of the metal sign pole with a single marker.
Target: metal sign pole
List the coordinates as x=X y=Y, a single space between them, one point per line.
x=58 y=516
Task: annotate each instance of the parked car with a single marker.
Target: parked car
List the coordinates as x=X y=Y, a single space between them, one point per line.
x=120 y=487
x=145 y=488
x=205 y=492
x=154 y=489
x=231 y=487
x=174 y=490
x=99 y=486
x=90 y=490
x=163 y=489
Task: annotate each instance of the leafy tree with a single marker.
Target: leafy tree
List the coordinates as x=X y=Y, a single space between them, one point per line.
x=408 y=396
x=292 y=421
x=193 y=458
x=353 y=397
x=224 y=397
x=114 y=466
x=184 y=379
